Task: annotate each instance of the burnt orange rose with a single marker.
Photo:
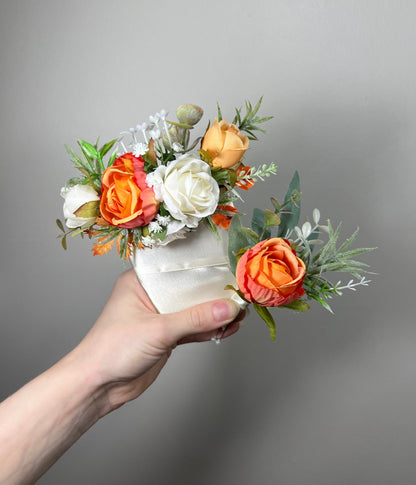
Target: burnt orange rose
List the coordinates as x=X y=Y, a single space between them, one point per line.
x=270 y=273
x=225 y=144
x=126 y=200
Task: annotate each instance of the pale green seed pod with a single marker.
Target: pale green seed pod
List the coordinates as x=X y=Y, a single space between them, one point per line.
x=189 y=114
x=175 y=134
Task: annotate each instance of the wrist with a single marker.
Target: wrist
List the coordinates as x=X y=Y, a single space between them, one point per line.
x=92 y=383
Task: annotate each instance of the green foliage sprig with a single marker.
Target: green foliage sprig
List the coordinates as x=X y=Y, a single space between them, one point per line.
x=250 y=121
x=283 y=222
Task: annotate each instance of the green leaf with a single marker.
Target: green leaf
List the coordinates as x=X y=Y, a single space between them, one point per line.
x=291 y=218
x=232 y=177
x=76 y=159
x=63 y=242
x=89 y=177
x=258 y=223
x=297 y=306
x=267 y=317
x=231 y=287
x=251 y=234
x=60 y=225
x=180 y=125
x=89 y=209
x=221 y=175
x=212 y=226
x=88 y=149
x=205 y=156
x=236 y=240
x=113 y=157
x=276 y=205
x=271 y=219
x=107 y=147
x=219 y=114
x=160 y=235
x=77 y=181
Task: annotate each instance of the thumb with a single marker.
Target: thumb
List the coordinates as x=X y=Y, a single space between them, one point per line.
x=200 y=318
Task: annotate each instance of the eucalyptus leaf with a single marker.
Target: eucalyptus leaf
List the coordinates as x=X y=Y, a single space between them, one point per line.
x=290 y=218
x=251 y=234
x=258 y=223
x=237 y=240
x=276 y=205
x=271 y=219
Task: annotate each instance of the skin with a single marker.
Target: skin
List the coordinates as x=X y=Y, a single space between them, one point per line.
x=118 y=360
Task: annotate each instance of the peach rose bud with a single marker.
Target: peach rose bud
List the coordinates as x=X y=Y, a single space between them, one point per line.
x=225 y=144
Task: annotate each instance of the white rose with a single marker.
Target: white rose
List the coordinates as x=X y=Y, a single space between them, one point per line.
x=75 y=197
x=186 y=188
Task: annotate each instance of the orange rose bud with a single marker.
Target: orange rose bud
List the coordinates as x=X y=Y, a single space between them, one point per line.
x=225 y=144
x=126 y=200
x=270 y=273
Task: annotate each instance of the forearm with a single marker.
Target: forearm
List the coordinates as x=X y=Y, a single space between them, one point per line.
x=44 y=418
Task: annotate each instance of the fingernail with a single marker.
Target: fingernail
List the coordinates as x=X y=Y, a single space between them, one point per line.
x=225 y=311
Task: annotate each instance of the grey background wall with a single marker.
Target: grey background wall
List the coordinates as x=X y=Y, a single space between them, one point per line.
x=333 y=401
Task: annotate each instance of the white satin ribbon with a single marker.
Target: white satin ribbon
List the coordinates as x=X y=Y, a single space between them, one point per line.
x=186 y=271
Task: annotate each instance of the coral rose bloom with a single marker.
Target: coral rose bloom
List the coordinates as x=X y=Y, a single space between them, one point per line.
x=126 y=200
x=270 y=273
x=225 y=144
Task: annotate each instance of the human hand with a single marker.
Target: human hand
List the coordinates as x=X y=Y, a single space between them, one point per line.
x=130 y=342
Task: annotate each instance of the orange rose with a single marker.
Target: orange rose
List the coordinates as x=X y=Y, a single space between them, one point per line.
x=270 y=273
x=225 y=144
x=126 y=200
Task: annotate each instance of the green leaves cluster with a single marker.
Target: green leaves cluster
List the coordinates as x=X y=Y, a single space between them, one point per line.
x=249 y=122
x=283 y=222
x=264 y=225
x=91 y=162
x=330 y=258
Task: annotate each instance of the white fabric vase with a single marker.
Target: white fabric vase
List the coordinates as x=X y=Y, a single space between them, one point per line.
x=187 y=271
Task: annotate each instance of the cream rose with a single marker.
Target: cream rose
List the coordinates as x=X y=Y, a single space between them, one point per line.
x=75 y=197
x=187 y=189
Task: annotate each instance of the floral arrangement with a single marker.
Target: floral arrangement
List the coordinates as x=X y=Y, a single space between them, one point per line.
x=159 y=184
